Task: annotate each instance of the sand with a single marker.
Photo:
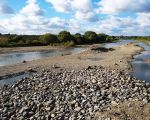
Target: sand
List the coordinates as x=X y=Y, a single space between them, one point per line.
x=147 y=61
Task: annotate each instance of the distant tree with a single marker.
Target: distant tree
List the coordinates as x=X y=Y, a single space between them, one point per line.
x=90 y=36
x=78 y=38
x=65 y=36
x=109 y=39
x=102 y=37
x=48 y=38
x=16 y=40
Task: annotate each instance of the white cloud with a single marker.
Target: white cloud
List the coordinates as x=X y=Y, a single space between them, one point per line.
x=61 y=5
x=82 y=10
x=89 y=16
x=116 y=6
x=32 y=9
x=30 y=19
x=144 y=19
x=71 y=5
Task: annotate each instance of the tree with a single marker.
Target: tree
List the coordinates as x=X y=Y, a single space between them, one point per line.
x=90 y=36
x=65 y=36
x=102 y=37
x=48 y=38
x=78 y=38
x=109 y=39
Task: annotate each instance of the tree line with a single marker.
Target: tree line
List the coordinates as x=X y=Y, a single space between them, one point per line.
x=63 y=38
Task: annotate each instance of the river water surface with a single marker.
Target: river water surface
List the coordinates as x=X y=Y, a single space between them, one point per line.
x=13 y=58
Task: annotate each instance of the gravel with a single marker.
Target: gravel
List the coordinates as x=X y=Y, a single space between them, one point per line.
x=60 y=94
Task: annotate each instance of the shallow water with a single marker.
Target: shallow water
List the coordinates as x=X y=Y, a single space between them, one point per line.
x=13 y=58
x=141 y=68
x=116 y=44
x=12 y=80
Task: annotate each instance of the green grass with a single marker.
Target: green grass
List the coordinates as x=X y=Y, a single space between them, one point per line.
x=145 y=40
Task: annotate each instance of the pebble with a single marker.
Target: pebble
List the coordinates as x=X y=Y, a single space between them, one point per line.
x=75 y=94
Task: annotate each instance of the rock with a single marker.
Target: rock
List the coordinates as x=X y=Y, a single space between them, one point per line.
x=52 y=115
x=114 y=103
x=25 y=114
x=77 y=109
x=26 y=108
x=24 y=61
x=78 y=94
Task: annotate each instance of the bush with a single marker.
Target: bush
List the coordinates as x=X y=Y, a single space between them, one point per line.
x=3 y=41
x=64 y=44
x=48 y=38
x=102 y=37
x=90 y=37
x=78 y=38
x=65 y=36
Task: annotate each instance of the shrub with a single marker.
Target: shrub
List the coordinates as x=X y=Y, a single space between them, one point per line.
x=65 y=36
x=90 y=36
x=78 y=38
x=48 y=38
x=102 y=37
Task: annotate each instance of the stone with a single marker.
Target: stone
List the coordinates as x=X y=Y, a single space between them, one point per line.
x=52 y=115
x=25 y=108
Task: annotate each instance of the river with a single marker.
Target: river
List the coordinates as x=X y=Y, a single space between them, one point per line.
x=141 y=69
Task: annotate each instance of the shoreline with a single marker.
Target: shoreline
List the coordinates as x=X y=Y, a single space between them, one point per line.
x=120 y=59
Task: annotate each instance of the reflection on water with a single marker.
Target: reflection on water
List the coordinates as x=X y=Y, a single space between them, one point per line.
x=13 y=58
x=141 y=68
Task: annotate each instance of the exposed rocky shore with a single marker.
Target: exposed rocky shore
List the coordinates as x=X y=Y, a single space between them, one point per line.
x=60 y=94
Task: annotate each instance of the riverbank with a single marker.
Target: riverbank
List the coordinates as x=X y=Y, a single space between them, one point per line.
x=119 y=58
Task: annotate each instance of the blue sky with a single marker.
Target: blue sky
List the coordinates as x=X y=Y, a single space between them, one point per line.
x=114 y=17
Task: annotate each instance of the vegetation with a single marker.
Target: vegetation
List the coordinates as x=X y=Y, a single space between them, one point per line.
x=48 y=39
x=64 y=38
x=65 y=44
x=145 y=39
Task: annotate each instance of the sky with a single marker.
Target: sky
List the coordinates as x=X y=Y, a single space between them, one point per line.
x=113 y=17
